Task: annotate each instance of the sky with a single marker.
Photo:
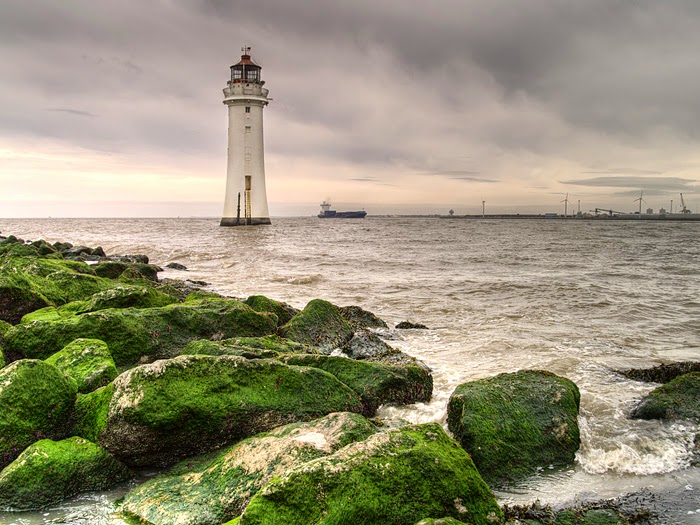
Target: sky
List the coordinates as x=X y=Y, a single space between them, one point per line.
x=394 y=106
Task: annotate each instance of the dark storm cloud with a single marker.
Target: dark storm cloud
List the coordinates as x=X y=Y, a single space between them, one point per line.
x=371 y=82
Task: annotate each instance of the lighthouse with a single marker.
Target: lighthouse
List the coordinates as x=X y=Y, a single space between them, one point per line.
x=244 y=95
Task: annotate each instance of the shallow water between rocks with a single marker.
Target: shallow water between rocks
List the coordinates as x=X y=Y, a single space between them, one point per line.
x=578 y=298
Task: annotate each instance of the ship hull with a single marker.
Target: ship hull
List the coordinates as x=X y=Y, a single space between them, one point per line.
x=330 y=214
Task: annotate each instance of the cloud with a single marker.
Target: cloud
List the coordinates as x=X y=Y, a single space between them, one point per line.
x=657 y=183
x=77 y=112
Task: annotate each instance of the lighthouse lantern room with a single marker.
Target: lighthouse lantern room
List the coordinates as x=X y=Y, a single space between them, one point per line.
x=244 y=95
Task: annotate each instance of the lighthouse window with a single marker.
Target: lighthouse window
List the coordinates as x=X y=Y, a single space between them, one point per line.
x=247 y=109
x=247 y=129
x=252 y=74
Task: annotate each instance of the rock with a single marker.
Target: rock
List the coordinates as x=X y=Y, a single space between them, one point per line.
x=129 y=297
x=512 y=424
x=91 y=412
x=48 y=472
x=283 y=311
x=86 y=361
x=677 y=399
x=248 y=347
x=36 y=401
x=99 y=252
x=176 y=266
x=214 y=489
x=321 y=325
x=365 y=344
x=132 y=333
x=110 y=269
x=137 y=271
x=76 y=251
x=399 y=476
x=361 y=319
x=139 y=259
x=43 y=247
x=19 y=296
x=162 y=412
x=376 y=383
x=404 y=325
x=661 y=373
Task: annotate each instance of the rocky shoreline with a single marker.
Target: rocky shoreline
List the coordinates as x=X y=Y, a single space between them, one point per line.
x=256 y=412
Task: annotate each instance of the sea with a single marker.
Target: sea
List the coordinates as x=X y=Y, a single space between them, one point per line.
x=578 y=298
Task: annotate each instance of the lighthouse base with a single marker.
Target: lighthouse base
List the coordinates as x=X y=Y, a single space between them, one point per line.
x=250 y=221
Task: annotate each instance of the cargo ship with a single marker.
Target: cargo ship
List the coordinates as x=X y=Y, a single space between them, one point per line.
x=327 y=213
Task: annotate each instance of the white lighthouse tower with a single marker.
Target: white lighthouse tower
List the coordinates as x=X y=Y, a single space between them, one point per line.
x=245 y=96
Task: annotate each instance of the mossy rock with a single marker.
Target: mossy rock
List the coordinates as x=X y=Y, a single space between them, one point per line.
x=361 y=319
x=133 y=333
x=248 y=347
x=110 y=269
x=4 y=327
x=188 y=405
x=2 y=355
x=139 y=271
x=86 y=361
x=392 y=477
x=129 y=297
x=512 y=424
x=92 y=412
x=367 y=345
x=376 y=383
x=321 y=325
x=19 y=296
x=36 y=401
x=56 y=313
x=677 y=399
x=48 y=472
x=283 y=311
x=217 y=487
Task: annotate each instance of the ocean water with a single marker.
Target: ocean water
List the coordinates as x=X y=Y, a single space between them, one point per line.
x=578 y=298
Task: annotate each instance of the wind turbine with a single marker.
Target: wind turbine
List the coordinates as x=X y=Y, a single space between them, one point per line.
x=641 y=200
x=566 y=205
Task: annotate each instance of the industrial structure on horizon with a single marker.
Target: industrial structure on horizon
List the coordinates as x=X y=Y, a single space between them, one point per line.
x=244 y=95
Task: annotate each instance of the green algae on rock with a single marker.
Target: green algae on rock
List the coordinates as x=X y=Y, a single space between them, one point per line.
x=92 y=412
x=320 y=324
x=170 y=409
x=133 y=333
x=375 y=383
x=677 y=399
x=361 y=319
x=129 y=297
x=512 y=424
x=283 y=311
x=399 y=476
x=86 y=361
x=440 y=521
x=48 y=472
x=36 y=401
x=248 y=347
x=217 y=487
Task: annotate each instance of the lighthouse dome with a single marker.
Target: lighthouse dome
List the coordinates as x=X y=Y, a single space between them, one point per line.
x=246 y=70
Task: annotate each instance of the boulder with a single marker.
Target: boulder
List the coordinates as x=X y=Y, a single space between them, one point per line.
x=86 y=361
x=162 y=412
x=361 y=319
x=36 y=401
x=110 y=269
x=407 y=325
x=48 y=472
x=399 y=476
x=248 y=347
x=283 y=311
x=376 y=383
x=365 y=345
x=321 y=325
x=19 y=296
x=216 y=488
x=176 y=266
x=149 y=333
x=677 y=399
x=512 y=424
x=661 y=373
x=129 y=297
